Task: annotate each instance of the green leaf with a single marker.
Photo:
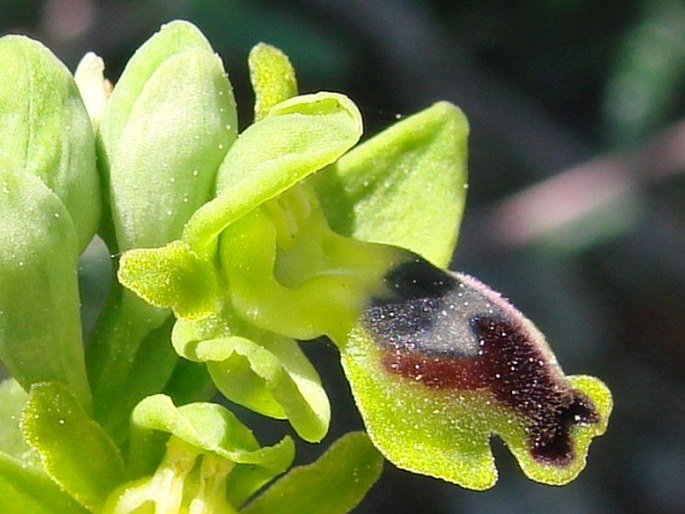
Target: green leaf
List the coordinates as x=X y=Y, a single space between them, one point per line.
x=75 y=450
x=45 y=130
x=272 y=77
x=26 y=490
x=299 y=137
x=40 y=326
x=334 y=484
x=262 y=371
x=405 y=187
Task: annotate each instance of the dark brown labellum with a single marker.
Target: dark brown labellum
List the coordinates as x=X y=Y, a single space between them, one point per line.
x=450 y=331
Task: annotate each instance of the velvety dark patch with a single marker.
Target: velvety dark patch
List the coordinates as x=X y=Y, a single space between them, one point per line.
x=519 y=376
x=418 y=279
x=448 y=333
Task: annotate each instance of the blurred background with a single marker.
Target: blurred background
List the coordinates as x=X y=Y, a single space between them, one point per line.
x=576 y=206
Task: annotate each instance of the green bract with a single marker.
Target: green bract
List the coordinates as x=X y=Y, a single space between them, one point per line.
x=164 y=131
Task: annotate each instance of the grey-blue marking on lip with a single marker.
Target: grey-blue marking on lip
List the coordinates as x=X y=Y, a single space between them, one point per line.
x=427 y=310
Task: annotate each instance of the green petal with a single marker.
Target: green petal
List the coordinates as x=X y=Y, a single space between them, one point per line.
x=172 y=276
x=335 y=483
x=272 y=77
x=600 y=396
x=423 y=431
x=76 y=452
x=45 y=130
x=299 y=137
x=266 y=373
x=40 y=326
x=405 y=187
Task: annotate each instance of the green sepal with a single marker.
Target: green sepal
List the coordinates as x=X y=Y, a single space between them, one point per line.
x=299 y=136
x=40 y=324
x=165 y=130
x=446 y=433
x=265 y=372
x=418 y=162
x=76 y=452
x=272 y=77
x=45 y=130
x=334 y=484
x=211 y=429
x=172 y=276
x=27 y=490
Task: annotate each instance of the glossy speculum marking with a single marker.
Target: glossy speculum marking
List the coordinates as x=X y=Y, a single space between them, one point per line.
x=450 y=331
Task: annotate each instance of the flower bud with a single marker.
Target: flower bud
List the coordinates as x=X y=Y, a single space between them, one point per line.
x=164 y=132
x=45 y=130
x=40 y=328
